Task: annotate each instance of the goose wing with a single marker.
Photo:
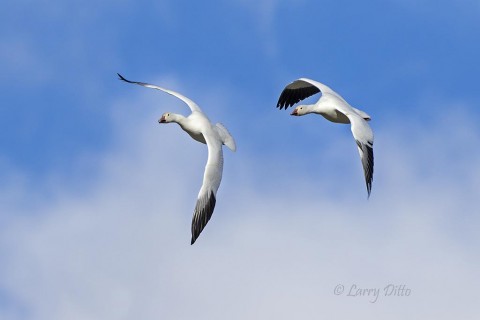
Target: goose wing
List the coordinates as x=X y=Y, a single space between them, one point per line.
x=363 y=135
x=301 y=89
x=211 y=181
x=192 y=105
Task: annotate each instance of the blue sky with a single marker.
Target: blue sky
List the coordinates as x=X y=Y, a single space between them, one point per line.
x=96 y=198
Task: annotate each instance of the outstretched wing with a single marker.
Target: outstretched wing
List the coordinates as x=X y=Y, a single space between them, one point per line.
x=192 y=105
x=211 y=181
x=301 y=89
x=295 y=92
x=363 y=135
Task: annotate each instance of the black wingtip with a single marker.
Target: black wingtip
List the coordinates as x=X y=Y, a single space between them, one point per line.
x=369 y=175
x=367 y=163
x=202 y=214
x=120 y=77
x=290 y=97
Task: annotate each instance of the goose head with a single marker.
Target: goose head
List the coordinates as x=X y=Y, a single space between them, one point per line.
x=300 y=111
x=166 y=118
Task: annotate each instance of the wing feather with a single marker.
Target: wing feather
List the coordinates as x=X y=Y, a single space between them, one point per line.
x=192 y=105
x=366 y=155
x=301 y=89
x=211 y=181
x=202 y=214
x=295 y=92
x=363 y=135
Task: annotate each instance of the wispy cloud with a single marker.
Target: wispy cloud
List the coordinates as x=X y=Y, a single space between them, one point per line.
x=277 y=245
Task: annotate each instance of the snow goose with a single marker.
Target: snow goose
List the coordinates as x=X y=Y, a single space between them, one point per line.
x=202 y=130
x=334 y=108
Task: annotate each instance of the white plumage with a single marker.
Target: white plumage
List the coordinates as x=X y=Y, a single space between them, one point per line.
x=199 y=127
x=333 y=108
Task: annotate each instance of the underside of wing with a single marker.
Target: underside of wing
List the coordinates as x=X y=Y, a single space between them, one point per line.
x=366 y=155
x=363 y=135
x=192 y=105
x=202 y=214
x=211 y=181
x=295 y=92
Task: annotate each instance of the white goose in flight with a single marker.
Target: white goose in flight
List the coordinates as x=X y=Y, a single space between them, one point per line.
x=202 y=130
x=334 y=108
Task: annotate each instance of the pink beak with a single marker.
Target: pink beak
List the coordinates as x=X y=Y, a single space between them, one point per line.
x=162 y=120
x=294 y=113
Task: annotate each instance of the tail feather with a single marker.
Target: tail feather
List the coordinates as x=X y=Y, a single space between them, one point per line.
x=362 y=114
x=227 y=138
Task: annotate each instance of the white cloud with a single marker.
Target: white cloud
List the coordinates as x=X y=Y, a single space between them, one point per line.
x=277 y=245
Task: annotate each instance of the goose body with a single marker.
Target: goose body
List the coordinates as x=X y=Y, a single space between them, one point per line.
x=199 y=127
x=334 y=108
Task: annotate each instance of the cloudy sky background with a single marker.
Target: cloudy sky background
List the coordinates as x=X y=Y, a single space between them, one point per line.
x=96 y=198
